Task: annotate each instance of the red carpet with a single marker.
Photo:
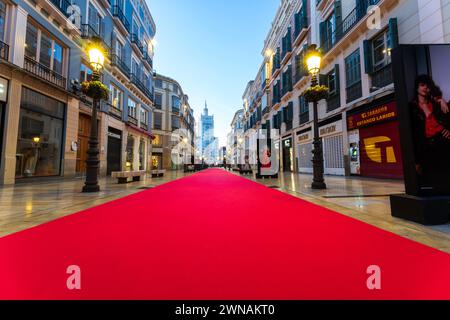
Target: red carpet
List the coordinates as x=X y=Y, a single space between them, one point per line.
x=214 y=235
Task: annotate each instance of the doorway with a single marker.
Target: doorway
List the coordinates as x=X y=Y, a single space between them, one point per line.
x=84 y=130
x=114 y=158
x=288 y=156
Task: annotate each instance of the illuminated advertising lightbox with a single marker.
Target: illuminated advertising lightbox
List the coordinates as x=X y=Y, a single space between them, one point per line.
x=422 y=85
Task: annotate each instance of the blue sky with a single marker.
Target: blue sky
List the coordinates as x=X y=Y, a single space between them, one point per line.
x=212 y=48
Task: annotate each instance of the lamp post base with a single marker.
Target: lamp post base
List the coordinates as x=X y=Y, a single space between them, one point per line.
x=318 y=185
x=91 y=189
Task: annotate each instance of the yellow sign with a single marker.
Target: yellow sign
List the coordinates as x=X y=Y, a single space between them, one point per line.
x=375 y=154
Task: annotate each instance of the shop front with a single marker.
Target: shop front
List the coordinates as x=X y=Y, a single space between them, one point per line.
x=374 y=141
x=331 y=132
x=304 y=150
x=40 y=136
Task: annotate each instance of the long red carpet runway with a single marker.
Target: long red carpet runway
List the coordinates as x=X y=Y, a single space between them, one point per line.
x=215 y=236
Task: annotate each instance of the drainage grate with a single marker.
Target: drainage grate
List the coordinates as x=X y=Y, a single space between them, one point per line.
x=274 y=187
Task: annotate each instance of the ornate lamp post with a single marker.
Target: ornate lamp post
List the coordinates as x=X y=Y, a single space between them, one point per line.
x=313 y=61
x=96 y=60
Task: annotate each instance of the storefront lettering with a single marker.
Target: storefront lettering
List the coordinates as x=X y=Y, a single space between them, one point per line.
x=303 y=137
x=327 y=130
x=377 y=115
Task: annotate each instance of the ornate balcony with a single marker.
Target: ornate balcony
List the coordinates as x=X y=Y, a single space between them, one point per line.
x=114 y=111
x=132 y=120
x=136 y=43
x=144 y=126
x=44 y=72
x=333 y=102
x=122 y=21
x=382 y=78
x=135 y=80
x=116 y=61
x=354 y=92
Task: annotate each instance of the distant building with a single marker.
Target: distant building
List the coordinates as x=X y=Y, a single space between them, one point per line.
x=209 y=144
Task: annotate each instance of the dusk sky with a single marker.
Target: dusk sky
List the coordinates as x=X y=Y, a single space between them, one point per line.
x=212 y=48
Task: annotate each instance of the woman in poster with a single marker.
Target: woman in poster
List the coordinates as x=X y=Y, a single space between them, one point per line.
x=431 y=132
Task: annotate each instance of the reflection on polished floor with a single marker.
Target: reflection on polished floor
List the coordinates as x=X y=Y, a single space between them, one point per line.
x=26 y=205
x=29 y=204
x=364 y=199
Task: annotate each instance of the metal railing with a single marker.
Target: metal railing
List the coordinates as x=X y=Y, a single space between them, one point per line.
x=135 y=40
x=132 y=120
x=118 y=13
x=119 y=63
x=346 y=25
x=4 y=51
x=135 y=80
x=333 y=102
x=44 y=72
x=114 y=111
x=88 y=32
x=304 y=117
x=144 y=125
x=354 y=91
x=382 y=77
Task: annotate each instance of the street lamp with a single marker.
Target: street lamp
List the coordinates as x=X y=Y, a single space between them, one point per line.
x=313 y=62
x=96 y=60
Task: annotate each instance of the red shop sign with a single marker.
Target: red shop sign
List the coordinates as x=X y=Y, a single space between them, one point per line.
x=373 y=116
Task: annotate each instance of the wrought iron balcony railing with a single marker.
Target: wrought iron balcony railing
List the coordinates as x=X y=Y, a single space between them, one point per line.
x=135 y=41
x=135 y=80
x=119 y=63
x=114 y=111
x=304 y=117
x=118 y=13
x=44 y=72
x=333 y=102
x=331 y=39
x=354 y=91
x=144 y=126
x=132 y=120
x=4 y=51
x=382 y=77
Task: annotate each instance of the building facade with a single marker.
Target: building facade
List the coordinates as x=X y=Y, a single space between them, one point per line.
x=356 y=38
x=173 y=123
x=235 y=139
x=45 y=122
x=209 y=143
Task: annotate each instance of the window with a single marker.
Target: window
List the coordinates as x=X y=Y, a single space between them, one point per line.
x=175 y=122
x=157 y=140
x=144 y=116
x=50 y=52
x=2 y=20
x=116 y=97
x=119 y=50
x=95 y=19
x=158 y=100
x=157 y=121
x=175 y=88
x=40 y=138
x=158 y=83
x=353 y=68
x=132 y=108
x=85 y=73
x=331 y=77
x=176 y=104
x=381 y=56
x=31 y=40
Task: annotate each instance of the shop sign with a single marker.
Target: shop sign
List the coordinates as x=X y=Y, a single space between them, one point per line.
x=331 y=129
x=376 y=115
x=303 y=137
